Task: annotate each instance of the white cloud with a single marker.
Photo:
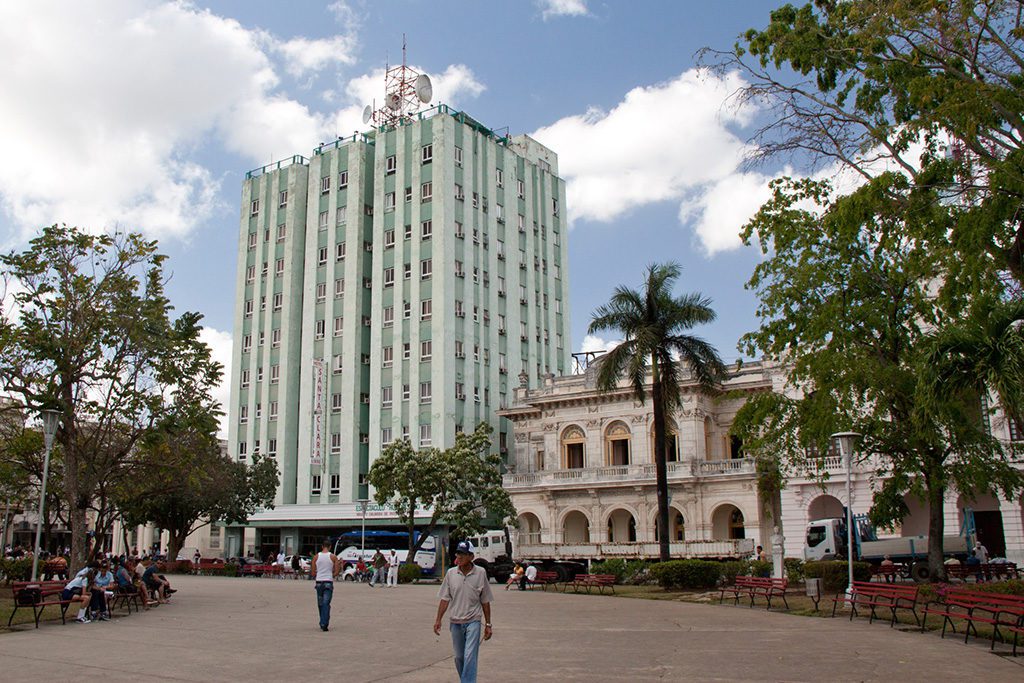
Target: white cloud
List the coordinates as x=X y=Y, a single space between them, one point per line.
x=719 y=210
x=562 y=8
x=304 y=55
x=220 y=347
x=592 y=342
x=662 y=142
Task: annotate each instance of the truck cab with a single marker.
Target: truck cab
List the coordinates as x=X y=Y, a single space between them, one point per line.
x=826 y=539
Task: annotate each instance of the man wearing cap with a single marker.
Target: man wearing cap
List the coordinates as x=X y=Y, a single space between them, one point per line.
x=466 y=591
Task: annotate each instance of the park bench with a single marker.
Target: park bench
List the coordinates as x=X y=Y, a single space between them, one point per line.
x=125 y=596
x=588 y=581
x=1000 y=612
x=38 y=595
x=206 y=566
x=888 y=573
x=876 y=596
x=544 y=579
x=982 y=572
x=754 y=586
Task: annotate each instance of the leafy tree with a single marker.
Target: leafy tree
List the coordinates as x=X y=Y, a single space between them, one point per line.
x=652 y=323
x=848 y=303
x=863 y=84
x=462 y=484
x=182 y=481
x=93 y=339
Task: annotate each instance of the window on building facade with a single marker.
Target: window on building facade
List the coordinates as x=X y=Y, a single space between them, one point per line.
x=426 y=309
x=426 y=268
x=458 y=156
x=324 y=220
x=426 y=191
x=325 y=184
x=335 y=442
x=390 y=165
x=315 y=485
x=278 y=301
x=427 y=153
x=336 y=403
x=254 y=207
x=426 y=230
x=275 y=373
x=389 y=316
x=388 y=356
x=426 y=349
x=335 y=483
x=273 y=410
x=389 y=238
x=342 y=179
x=425 y=439
x=573 y=448
x=386 y=395
x=339 y=287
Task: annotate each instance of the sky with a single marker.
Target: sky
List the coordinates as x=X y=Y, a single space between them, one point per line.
x=146 y=115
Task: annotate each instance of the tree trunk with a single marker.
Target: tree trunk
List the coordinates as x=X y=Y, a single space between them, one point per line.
x=936 y=530
x=660 y=467
x=175 y=541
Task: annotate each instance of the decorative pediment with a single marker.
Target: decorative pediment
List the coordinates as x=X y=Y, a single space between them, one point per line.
x=573 y=433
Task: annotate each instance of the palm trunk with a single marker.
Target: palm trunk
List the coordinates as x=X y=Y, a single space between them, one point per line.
x=660 y=466
x=936 y=529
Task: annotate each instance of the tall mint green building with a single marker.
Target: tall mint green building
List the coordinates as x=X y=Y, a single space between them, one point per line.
x=398 y=284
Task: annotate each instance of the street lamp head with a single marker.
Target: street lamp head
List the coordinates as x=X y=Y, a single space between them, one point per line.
x=847 y=442
x=51 y=420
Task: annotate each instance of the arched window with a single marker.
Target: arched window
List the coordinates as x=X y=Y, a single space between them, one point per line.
x=573 y=452
x=671 y=442
x=616 y=444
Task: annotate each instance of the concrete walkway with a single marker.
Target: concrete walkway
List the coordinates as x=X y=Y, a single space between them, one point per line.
x=220 y=629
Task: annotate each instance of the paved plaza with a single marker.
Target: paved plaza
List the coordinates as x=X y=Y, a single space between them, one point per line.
x=220 y=629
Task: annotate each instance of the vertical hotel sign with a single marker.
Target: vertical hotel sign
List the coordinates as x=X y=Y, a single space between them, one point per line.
x=316 y=456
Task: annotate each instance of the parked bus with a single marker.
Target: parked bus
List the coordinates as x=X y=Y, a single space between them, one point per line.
x=347 y=547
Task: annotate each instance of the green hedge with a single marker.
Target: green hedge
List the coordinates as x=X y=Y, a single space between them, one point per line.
x=229 y=569
x=1008 y=587
x=623 y=570
x=835 y=573
x=687 y=573
x=17 y=570
x=407 y=573
x=794 y=569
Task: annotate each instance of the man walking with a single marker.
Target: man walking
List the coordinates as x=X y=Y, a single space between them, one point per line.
x=393 y=564
x=379 y=562
x=325 y=568
x=466 y=591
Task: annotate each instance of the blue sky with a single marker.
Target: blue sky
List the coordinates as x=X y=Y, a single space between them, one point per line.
x=147 y=115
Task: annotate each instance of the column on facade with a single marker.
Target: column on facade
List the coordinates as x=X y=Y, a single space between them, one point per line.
x=1013 y=528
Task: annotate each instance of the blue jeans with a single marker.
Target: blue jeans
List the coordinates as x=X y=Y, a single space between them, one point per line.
x=324 y=593
x=466 y=643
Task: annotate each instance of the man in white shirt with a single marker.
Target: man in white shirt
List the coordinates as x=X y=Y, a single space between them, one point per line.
x=467 y=591
x=529 y=576
x=324 y=567
x=393 y=565
x=981 y=552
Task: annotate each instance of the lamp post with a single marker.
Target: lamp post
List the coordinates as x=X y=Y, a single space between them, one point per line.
x=363 y=504
x=847 y=442
x=51 y=419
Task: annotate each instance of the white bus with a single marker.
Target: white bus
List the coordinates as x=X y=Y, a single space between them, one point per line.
x=348 y=547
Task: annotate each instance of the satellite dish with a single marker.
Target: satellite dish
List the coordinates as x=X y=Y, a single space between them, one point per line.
x=367 y=114
x=394 y=101
x=424 y=90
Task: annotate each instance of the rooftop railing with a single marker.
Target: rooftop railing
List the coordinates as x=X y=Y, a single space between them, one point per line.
x=277 y=165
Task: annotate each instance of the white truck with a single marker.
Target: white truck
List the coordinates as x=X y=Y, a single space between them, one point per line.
x=826 y=540
x=568 y=559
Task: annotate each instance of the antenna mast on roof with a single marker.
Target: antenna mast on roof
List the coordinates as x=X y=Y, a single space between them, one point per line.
x=405 y=89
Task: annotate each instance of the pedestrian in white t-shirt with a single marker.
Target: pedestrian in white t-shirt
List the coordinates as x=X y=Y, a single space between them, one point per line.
x=393 y=569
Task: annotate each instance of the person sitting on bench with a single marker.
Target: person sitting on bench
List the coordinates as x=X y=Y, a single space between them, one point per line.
x=156 y=582
x=78 y=589
x=102 y=583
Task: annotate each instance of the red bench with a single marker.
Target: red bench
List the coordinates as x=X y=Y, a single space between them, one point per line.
x=588 y=581
x=754 y=586
x=982 y=572
x=544 y=579
x=889 y=572
x=205 y=565
x=1001 y=612
x=876 y=596
x=38 y=595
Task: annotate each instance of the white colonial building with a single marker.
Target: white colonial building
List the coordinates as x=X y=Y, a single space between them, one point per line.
x=582 y=473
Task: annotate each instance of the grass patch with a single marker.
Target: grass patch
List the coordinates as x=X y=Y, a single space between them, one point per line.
x=24 y=615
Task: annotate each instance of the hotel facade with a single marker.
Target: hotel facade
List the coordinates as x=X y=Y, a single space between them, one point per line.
x=393 y=285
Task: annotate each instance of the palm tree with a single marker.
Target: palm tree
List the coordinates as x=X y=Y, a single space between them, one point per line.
x=652 y=324
x=981 y=352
